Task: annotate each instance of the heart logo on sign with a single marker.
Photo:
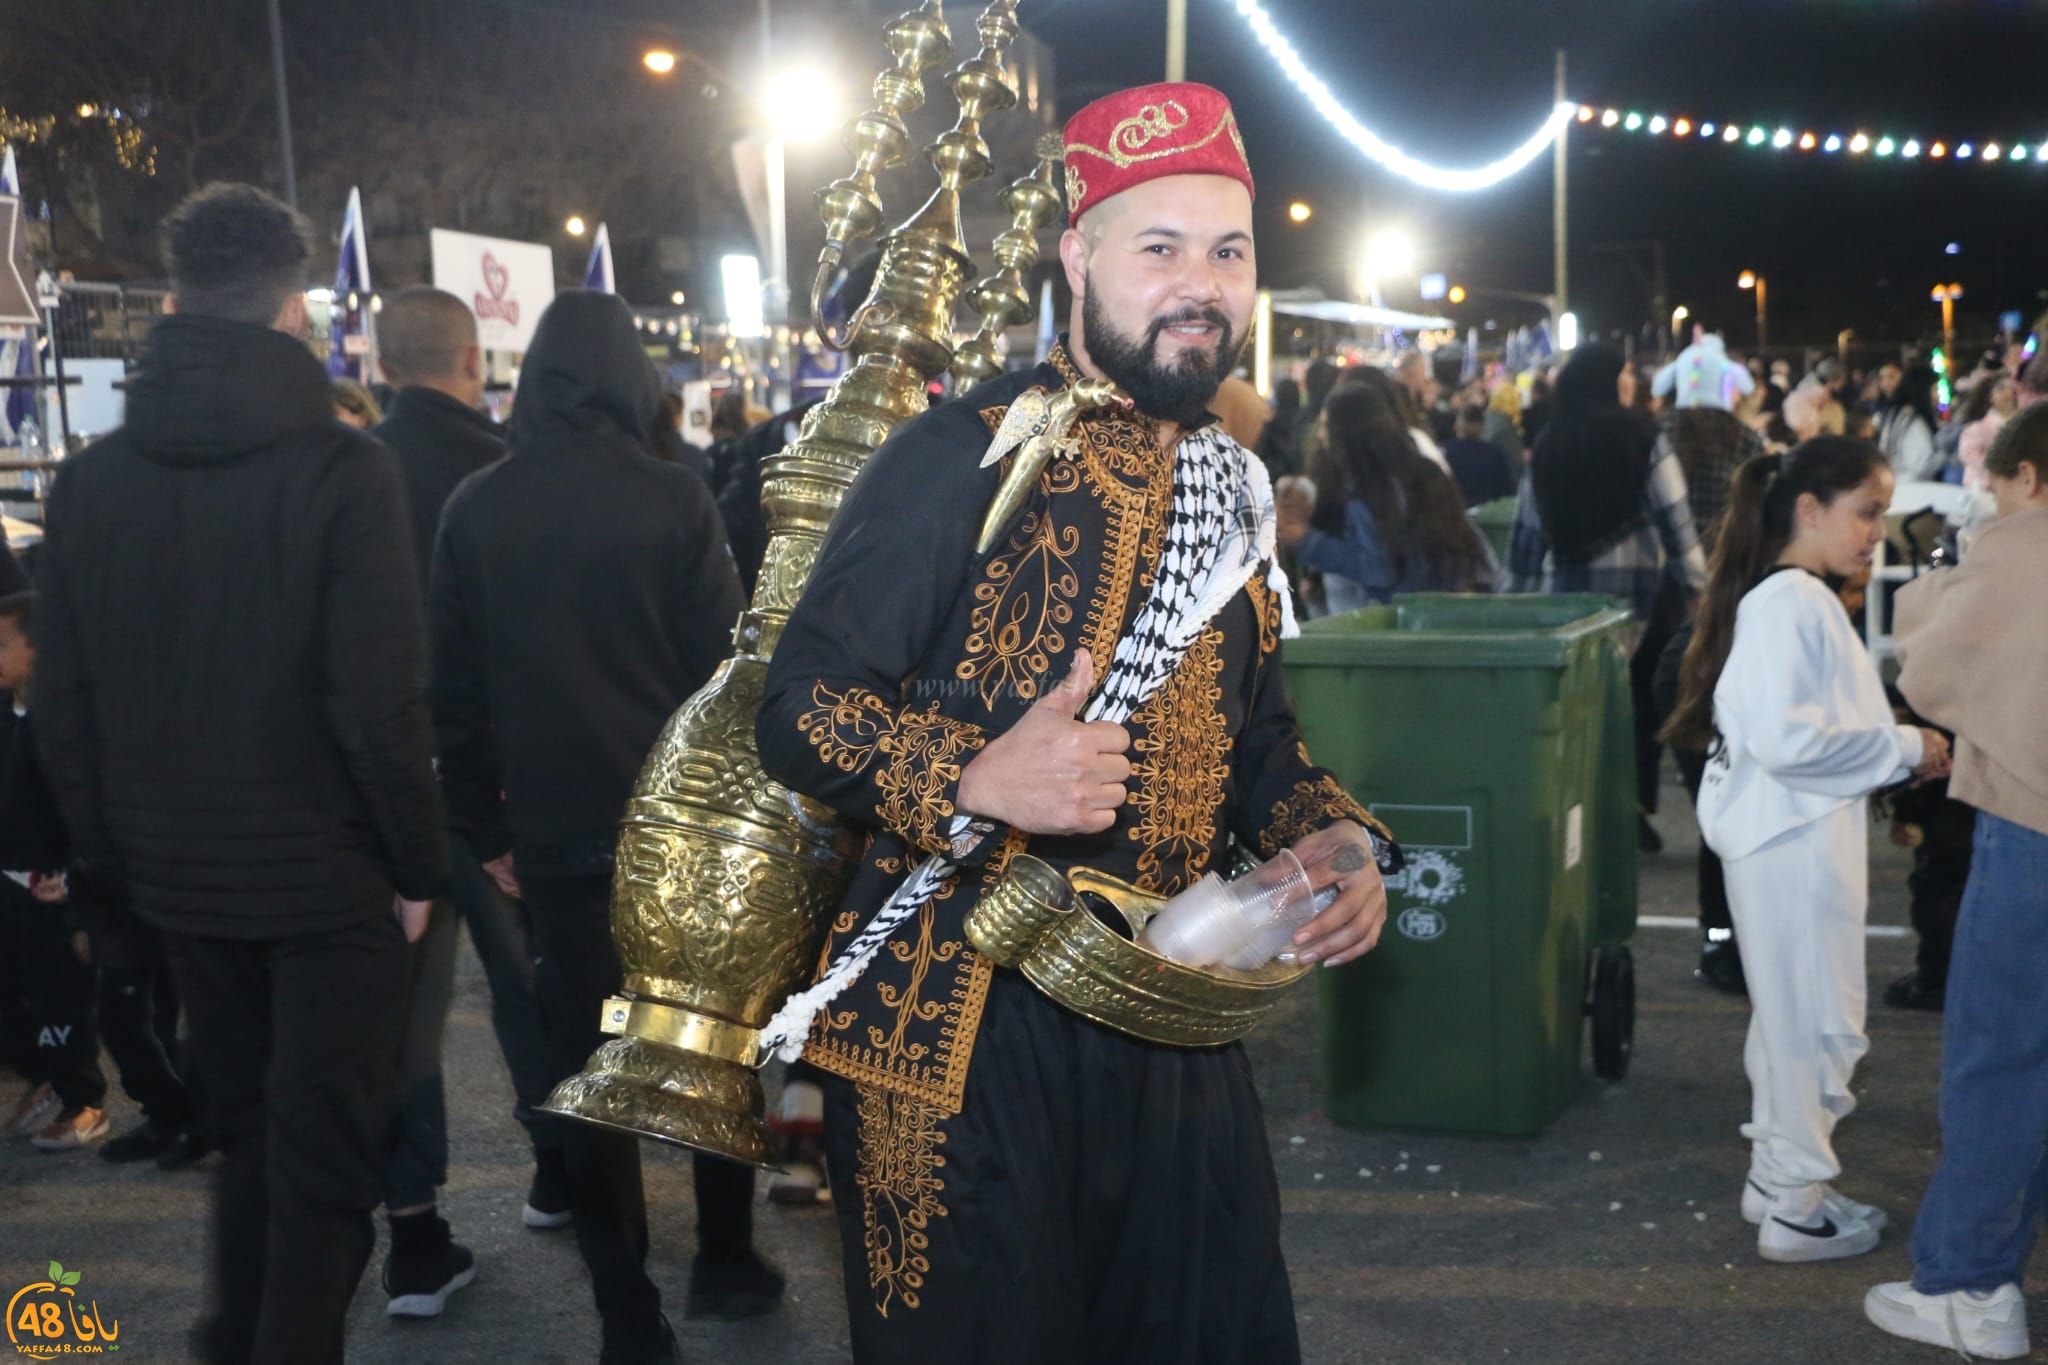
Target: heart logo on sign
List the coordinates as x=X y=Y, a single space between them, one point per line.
x=495 y=304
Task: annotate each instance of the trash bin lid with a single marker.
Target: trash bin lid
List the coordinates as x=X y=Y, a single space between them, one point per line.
x=1452 y=630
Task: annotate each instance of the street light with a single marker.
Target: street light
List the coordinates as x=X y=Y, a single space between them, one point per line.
x=1298 y=212
x=676 y=298
x=1749 y=279
x=1678 y=315
x=1457 y=293
x=575 y=227
x=1946 y=295
x=801 y=104
x=1389 y=252
x=659 y=60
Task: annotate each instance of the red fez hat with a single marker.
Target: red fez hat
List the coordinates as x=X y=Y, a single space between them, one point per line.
x=1125 y=139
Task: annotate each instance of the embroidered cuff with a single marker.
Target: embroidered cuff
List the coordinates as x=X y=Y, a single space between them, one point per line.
x=910 y=762
x=1319 y=803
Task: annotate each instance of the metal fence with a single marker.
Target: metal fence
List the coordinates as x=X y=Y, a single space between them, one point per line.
x=106 y=321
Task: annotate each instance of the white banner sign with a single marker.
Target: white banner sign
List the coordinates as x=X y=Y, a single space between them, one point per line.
x=508 y=284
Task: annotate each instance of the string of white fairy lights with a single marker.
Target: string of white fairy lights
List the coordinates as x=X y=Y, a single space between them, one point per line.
x=1855 y=144
x=1376 y=147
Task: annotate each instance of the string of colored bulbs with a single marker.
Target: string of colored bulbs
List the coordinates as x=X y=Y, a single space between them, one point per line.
x=1492 y=173
x=1783 y=139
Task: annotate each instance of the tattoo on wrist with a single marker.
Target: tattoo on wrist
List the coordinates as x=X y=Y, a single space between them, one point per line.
x=1348 y=858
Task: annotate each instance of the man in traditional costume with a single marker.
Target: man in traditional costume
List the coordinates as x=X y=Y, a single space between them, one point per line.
x=1100 y=685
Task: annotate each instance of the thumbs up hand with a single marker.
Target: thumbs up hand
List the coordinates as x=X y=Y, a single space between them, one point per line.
x=1051 y=773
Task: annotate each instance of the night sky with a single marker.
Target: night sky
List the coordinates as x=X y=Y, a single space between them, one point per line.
x=1459 y=82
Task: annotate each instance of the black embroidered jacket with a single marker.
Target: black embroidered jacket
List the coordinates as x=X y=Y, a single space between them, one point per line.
x=908 y=653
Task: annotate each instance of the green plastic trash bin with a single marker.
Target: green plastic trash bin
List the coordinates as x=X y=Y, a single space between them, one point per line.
x=1496 y=521
x=1494 y=735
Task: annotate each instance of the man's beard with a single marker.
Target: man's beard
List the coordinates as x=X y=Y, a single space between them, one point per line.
x=1179 y=392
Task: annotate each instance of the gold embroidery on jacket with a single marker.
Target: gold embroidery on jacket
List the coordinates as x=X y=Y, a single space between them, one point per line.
x=920 y=752
x=898 y=1169
x=1025 y=599
x=1307 y=809
x=1180 y=767
x=1266 y=606
x=922 y=759
x=847 y=726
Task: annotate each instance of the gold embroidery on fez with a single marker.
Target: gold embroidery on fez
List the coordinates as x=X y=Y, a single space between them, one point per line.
x=1152 y=121
x=1117 y=156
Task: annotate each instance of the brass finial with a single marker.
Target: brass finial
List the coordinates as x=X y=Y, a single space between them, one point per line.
x=849 y=207
x=959 y=155
x=1004 y=298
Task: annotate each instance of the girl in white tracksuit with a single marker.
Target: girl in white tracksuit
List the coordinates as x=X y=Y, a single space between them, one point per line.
x=1778 y=687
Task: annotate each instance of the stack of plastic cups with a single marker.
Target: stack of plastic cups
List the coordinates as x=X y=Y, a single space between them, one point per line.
x=1242 y=924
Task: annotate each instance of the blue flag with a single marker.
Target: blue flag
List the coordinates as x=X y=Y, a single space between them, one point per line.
x=354 y=331
x=598 y=273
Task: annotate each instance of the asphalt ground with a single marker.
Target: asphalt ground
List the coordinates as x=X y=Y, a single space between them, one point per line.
x=1613 y=1237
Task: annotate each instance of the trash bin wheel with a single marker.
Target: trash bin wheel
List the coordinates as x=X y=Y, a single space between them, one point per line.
x=1614 y=1011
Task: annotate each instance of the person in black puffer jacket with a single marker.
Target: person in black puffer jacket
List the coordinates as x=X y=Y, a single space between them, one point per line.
x=231 y=706
x=582 y=591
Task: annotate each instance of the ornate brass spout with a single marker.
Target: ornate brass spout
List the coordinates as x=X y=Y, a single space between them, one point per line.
x=1004 y=297
x=849 y=206
x=726 y=879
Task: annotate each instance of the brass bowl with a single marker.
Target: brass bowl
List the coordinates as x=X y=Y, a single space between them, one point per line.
x=1033 y=920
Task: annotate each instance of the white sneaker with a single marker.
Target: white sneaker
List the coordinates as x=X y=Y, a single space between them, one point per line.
x=1805 y=1226
x=1989 y=1326
x=1756 y=1204
x=39 y=1105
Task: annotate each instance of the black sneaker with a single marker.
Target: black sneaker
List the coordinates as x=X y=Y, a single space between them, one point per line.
x=1721 y=967
x=183 y=1150
x=1912 y=992
x=424 y=1268
x=547 y=1197
x=726 y=1291
x=144 y=1142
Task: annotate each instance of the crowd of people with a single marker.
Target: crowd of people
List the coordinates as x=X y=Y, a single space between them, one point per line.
x=1738 y=514
x=437 y=652
x=278 y=837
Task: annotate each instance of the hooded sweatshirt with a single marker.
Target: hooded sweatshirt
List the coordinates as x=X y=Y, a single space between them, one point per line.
x=1703 y=377
x=1974 y=644
x=231 y=661
x=1805 y=726
x=582 y=590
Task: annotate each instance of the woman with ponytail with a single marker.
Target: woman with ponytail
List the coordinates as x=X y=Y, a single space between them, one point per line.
x=1781 y=693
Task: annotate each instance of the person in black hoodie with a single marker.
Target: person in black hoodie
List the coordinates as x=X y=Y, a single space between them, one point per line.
x=64 y=1104
x=231 y=706
x=428 y=347
x=582 y=591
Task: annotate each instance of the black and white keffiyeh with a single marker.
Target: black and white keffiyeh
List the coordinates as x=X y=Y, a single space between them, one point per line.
x=1220 y=528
